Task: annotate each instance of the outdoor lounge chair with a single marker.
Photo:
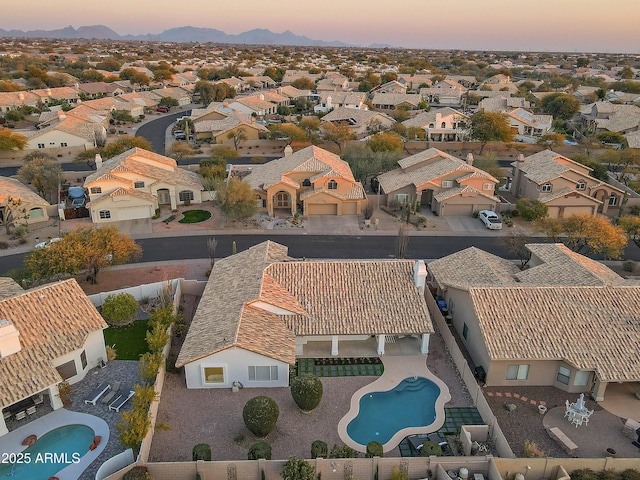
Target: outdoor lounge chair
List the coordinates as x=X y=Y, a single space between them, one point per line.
x=37 y=399
x=115 y=388
x=21 y=415
x=31 y=410
x=120 y=401
x=93 y=397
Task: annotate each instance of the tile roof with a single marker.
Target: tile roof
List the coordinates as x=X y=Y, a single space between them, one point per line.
x=9 y=288
x=425 y=118
x=459 y=191
x=592 y=328
x=10 y=187
x=53 y=321
x=318 y=297
x=360 y=116
x=396 y=98
x=124 y=192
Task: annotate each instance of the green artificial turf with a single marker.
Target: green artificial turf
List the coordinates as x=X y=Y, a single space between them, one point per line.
x=195 y=216
x=129 y=340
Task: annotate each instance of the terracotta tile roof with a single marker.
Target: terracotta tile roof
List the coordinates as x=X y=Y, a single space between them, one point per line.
x=355 y=193
x=460 y=191
x=592 y=328
x=52 y=320
x=360 y=116
x=9 y=288
x=396 y=99
x=10 y=187
x=423 y=119
x=550 y=197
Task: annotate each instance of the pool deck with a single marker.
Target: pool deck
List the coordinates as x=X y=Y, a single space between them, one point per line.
x=12 y=442
x=396 y=369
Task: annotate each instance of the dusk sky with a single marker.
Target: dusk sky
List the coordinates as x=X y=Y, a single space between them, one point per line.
x=544 y=25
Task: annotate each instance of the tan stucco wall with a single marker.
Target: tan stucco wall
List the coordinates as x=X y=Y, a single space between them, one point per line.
x=54 y=138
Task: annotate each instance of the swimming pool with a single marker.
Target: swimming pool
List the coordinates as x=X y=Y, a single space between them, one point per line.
x=51 y=453
x=382 y=415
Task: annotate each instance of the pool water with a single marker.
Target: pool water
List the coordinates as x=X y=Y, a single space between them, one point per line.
x=52 y=452
x=382 y=414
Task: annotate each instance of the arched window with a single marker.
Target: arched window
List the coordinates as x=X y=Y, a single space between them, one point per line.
x=333 y=185
x=443 y=125
x=306 y=182
x=36 y=213
x=546 y=187
x=431 y=125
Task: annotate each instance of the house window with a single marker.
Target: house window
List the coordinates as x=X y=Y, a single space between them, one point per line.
x=138 y=184
x=581 y=185
x=563 y=375
x=185 y=195
x=582 y=378
x=83 y=359
x=487 y=186
x=63 y=144
x=443 y=125
x=67 y=370
x=96 y=190
x=432 y=125
x=447 y=184
x=41 y=145
x=263 y=374
x=333 y=185
x=465 y=331
x=260 y=203
x=282 y=200
x=517 y=372
x=213 y=374
x=546 y=187
x=451 y=306
x=104 y=214
x=306 y=182
x=613 y=200
x=402 y=198
x=36 y=213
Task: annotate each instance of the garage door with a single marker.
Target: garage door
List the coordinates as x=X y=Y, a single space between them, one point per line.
x=350 y=208
x=322 y=209
x=450 y=210
x=553 y=212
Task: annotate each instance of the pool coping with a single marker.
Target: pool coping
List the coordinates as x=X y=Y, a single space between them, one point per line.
x=12 y=441
x=396 y=369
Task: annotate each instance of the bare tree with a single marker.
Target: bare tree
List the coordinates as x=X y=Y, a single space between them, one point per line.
x=212 y=243
x=402 y=240
x=517 y=243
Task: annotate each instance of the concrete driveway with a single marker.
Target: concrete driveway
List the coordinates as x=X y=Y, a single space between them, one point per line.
x=332 y=225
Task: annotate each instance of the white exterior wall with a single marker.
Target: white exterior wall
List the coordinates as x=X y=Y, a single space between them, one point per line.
x=95 y=351
x=235 y=362
x=122 y=208
x=55 y=139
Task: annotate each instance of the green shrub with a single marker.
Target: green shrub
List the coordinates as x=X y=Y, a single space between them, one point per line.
x=584 y=474
x=306 y=391
x=628 y=265
x=343 y=451
x=137 y=473
x=431 y=448
x=120 y=308
x=201 y=451
x=298 y=469
x=20 y=232
x=260 y=415
x=259 y=450
x=374 y=449
x=531 y=209
x=319 y=449
x=630 y=474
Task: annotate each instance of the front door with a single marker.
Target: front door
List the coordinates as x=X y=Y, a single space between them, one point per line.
x=164 y=198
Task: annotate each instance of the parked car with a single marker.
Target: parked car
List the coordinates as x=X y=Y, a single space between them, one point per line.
x=48 y=243
x=490 y=219
x=162 y=109
x=179 y=135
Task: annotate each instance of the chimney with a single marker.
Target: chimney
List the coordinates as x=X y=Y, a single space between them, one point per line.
x=329 y=102
x=21 y=96
x=420 y=275
x=279 y=90
x=9 y=338
x=288 y=150
x=98 y=161
x=470 y=158
x=515 y=182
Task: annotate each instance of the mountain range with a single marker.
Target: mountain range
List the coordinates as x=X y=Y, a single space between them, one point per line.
x=180 y=34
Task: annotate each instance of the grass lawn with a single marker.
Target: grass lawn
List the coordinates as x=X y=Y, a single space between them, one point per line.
x=129 y=340
x=195 y=216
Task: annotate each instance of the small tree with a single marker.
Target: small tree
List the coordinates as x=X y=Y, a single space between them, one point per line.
x=531 y=209
x=201 y=451
x=306 y=391
x=259 y=450
x=402 y=241
x=319 y=449
x=260 y=415
x=236 y=199
x=517 y=243
x=343 y=451
x=298 y=469
x=119 y=308
x=374 y=449
x=630 y=224
x=237 y=135
x=490 y=127
x=137 y=473
x=180 y=151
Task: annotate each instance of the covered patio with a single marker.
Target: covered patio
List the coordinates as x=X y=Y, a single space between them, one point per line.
x=368 y=346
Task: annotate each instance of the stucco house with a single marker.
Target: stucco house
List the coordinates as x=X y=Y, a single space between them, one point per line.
x=36 y=355
x=529 y=127
x=444 y=183
x=361 y=122
x=134 y=184
x=31 y=207
x=311 y=181
x=565 y=321
x=261 y=309
x=330 y=100
x=563 y=185
x=441 y=124
x=396 y=101
x=610 y=117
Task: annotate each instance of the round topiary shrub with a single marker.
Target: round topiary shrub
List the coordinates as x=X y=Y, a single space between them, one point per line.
x=201 y=451
x=137 y=473
x=319 y=449
x=431 y=448
x=374 y=449
x=259 y=450
x=260 y=415
x=118 y=309
x=306 y=391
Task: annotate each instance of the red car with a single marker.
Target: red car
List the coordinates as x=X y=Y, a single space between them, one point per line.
x=162 y=109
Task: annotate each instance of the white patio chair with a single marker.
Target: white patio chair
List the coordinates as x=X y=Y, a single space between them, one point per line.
x=31 y=410
x=568 y=413
x=577 y=420
x=21 y=415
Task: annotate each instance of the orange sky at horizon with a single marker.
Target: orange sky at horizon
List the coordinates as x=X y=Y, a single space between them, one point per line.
x=549 y=25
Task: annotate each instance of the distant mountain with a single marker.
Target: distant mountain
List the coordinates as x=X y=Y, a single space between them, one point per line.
x=180 y=34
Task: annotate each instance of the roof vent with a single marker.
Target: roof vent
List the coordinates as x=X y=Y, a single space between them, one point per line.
x=9 y=338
